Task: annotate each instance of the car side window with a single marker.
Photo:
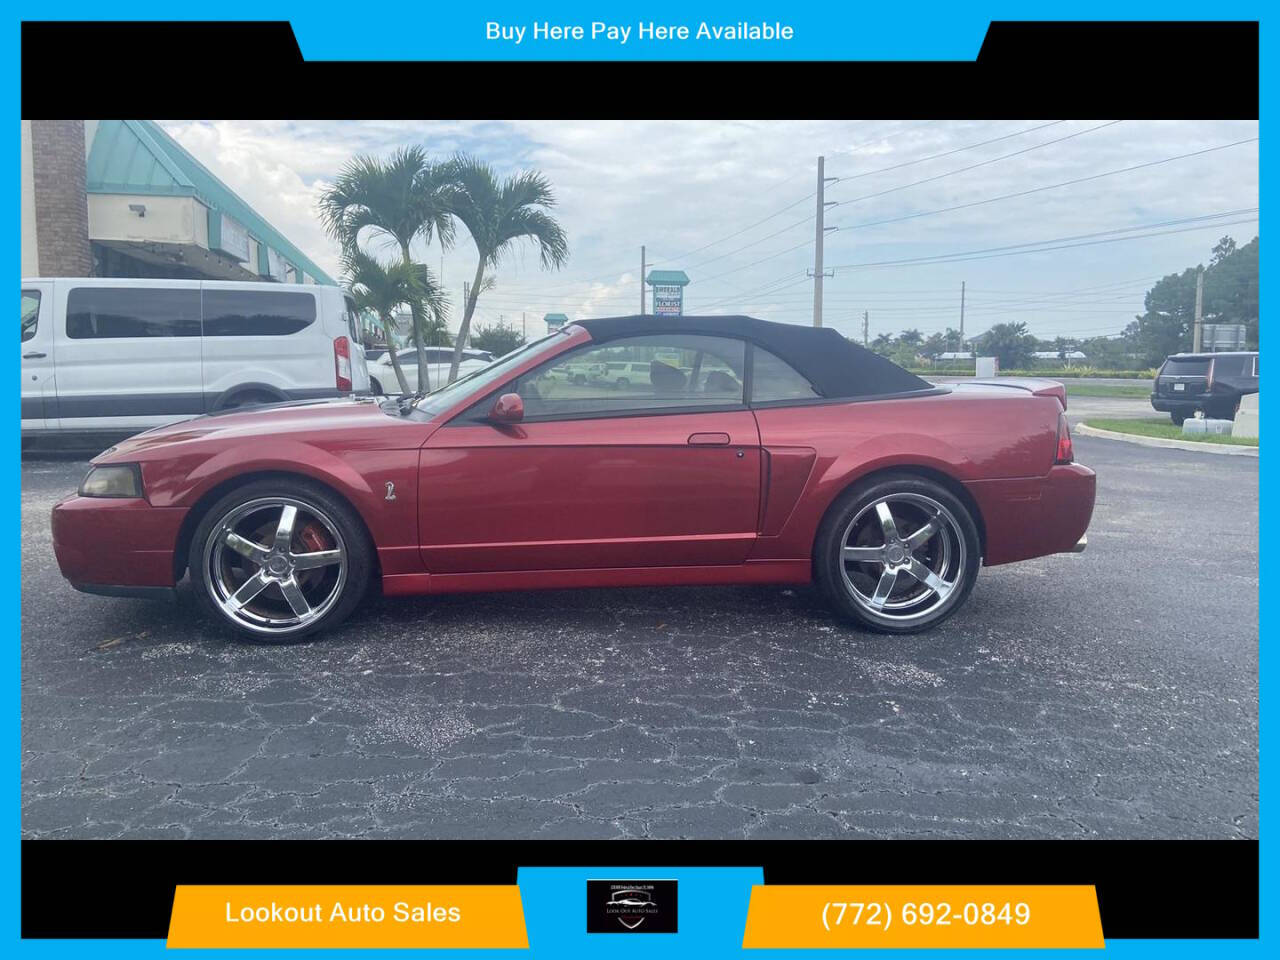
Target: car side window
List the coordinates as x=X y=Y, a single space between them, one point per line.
x=774 y=379
x=253 y=313
x=30 y=313
x=102 y=313
x=637 y=374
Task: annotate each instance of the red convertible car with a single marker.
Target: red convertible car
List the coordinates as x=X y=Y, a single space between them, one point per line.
x=732 y=451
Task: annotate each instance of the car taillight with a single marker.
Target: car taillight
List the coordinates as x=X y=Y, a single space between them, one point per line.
x=1065 y=453
x=342 y=364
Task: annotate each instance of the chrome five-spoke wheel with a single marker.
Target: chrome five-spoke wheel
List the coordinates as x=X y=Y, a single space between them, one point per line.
x=903 y=555
x=275 y=565
x=898 y=555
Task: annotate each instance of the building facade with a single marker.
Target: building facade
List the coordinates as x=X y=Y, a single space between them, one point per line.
x=121 y=198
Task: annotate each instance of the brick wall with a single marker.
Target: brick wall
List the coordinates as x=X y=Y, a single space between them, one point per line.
x=62 y=210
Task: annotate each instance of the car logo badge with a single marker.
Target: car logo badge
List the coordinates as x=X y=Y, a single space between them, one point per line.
x=391 y=491
x=631 y=906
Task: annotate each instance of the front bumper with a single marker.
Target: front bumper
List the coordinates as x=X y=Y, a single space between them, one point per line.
x=115 y=544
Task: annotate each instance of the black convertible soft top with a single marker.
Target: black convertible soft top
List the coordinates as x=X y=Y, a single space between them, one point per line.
x=836 y=366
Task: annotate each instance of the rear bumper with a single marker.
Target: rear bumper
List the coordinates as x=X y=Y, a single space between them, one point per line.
x=1167 y=404
x=1035 y=516
x=105 y=544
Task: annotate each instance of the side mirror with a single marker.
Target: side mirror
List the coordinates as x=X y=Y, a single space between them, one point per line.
x=509 y=408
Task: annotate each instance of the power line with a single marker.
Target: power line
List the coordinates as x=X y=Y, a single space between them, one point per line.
x=809 y=195
x=948 y=153
x=1038 y=246
x=982 y=163
x=1052 y=186
x=809 y=219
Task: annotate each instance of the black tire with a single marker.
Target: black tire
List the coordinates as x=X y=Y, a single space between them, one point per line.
x=623 y=383
x=375 y=387
x=324 y=508
x=579 y=380
x=953 y=551
x=1178 y=417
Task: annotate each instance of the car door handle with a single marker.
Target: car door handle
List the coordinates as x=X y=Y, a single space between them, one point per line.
x=34 y=355
x=708 y=439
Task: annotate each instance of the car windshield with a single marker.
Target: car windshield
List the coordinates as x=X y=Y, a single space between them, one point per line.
x=481 y=380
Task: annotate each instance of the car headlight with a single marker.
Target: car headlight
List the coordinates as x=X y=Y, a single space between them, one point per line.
x=112 y=480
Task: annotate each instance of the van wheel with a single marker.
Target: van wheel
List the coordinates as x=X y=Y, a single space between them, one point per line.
x=897 y=555
x=375 y=387
x=1178 y=417
x=279 y=560
x=250 y=398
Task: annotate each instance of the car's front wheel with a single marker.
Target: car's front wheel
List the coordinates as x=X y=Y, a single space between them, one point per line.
x=898 y=554
x=277 y=561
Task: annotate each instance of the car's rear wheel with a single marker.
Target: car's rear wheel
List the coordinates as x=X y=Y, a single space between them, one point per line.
x=279 y=561
x=897 y=555
x=1179 y=417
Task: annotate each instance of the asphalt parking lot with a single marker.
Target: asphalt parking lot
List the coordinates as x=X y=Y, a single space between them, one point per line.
x=1110 y=694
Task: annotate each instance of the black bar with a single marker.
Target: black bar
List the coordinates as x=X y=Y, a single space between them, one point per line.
x=1146 y=70
x=1146 y=889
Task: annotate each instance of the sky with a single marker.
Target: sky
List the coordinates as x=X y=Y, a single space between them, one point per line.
x=1061 y=224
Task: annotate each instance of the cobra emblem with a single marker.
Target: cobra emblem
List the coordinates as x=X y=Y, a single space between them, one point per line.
x=391 y=491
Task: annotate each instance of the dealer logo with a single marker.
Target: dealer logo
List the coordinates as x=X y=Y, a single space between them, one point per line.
x=631 y=906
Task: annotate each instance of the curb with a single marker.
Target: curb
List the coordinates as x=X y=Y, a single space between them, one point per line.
x=1083 y=429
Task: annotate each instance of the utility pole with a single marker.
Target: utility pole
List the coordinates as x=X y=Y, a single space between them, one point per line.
x=961 y=350
x=819 y=232
x=1197 y=337
x=642 y=279
x=866 y=320
x=524 y=325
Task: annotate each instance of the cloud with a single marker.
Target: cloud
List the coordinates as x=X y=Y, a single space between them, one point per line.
x=731 y=202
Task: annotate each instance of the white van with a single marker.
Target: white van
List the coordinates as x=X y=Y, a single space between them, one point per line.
x=123 y=355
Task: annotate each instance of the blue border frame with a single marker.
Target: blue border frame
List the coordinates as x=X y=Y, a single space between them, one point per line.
x=928 y=29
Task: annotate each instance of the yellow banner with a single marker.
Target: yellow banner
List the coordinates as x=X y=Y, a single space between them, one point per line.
x=363 y=917
x=878 y=917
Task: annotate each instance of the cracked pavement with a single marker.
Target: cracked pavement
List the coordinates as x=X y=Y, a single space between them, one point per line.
x=1111 y=694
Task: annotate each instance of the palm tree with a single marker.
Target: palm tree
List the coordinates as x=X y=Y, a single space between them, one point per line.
x=383 y=288
x=497 y=215
x=398 y=200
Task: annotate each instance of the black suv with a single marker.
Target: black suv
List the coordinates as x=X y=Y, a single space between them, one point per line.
x=1210 y=382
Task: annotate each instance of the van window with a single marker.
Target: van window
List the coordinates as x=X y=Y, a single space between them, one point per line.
x=30 y=313
x=253 y=313
x=353 y=320
x=113 y=312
